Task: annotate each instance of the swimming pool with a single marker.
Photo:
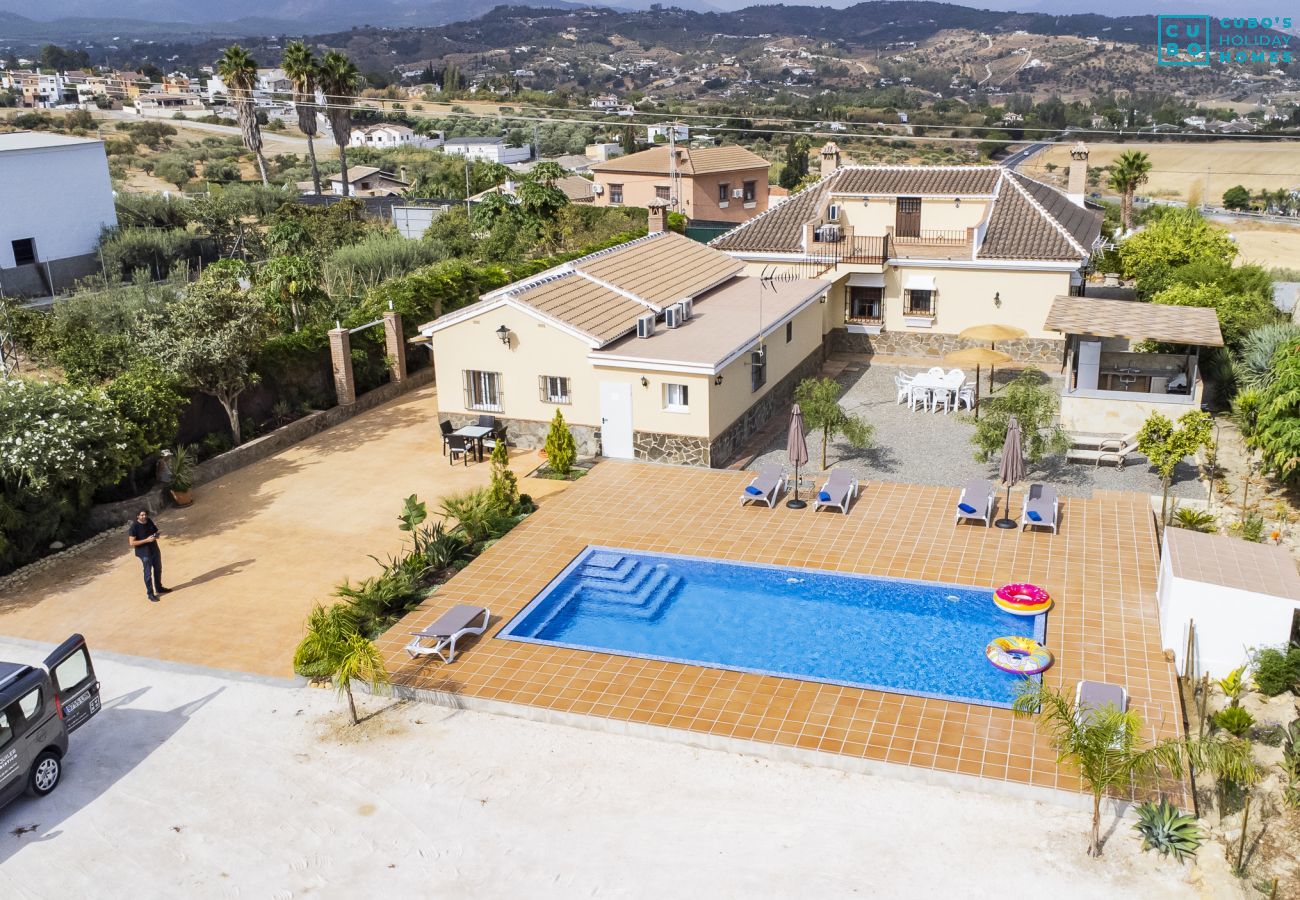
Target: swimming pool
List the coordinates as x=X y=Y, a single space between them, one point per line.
x=907 y=637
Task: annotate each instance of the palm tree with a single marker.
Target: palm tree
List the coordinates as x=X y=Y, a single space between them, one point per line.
x=335 y=648
x=1127 y=174
x=239 y=71
x=1105 y=745
x=300 y=68
x=338 y=78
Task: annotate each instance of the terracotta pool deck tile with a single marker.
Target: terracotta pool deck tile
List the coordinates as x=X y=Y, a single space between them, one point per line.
x=1101 y=569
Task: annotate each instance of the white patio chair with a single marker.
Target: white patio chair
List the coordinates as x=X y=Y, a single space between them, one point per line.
x=941 y=397
x=904 y=385
x=918 y=395
x=956 y=374
x=936 y=371
x=966 y=395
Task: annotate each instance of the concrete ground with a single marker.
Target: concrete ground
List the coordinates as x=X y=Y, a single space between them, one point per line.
x=193 y=784
x=258 y=547
x=918 y=447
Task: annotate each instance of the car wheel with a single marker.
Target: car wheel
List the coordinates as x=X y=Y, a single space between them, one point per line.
x=45 y=774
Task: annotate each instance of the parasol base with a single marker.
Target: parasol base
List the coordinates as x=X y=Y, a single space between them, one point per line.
x=796 y=504
x=1005 y=523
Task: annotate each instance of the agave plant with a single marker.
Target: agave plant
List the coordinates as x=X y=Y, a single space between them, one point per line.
x=1234 y=720
x=1195 y=519
x=1165 y=829
x=1232 y=685
x=1254 y=363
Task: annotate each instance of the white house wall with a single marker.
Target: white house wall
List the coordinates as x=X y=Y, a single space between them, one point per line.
x=61 y=196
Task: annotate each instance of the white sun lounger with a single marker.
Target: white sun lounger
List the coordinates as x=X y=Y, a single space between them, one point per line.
x=838 y=491
x=451 y=626
x=1041 y=500
x=1090 y=696
x=978 y=495
x=765 y=487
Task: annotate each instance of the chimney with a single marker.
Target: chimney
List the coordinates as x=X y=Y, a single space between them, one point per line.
x=658 y=210
x=1078 y=181
x=830 y=158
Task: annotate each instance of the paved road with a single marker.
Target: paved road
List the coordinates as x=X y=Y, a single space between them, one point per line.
x=1020 y=156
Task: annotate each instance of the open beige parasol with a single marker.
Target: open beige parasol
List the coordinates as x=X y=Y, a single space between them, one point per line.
x=977 y=356
x=993 y=333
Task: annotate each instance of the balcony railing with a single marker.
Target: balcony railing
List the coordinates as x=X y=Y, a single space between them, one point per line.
x=872 y=251
x=940 y=237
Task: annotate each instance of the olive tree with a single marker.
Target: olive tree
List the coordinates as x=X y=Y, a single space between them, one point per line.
x=1165 y=444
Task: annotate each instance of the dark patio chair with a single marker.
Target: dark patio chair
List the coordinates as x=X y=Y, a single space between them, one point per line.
x=447 y=428
x=487 y=422
x=498 y=436
x=459 y=444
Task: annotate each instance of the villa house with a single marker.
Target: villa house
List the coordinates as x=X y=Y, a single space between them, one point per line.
x=657 y=349
x=368 y=181
x=916 y=254
x=725 y=184
x=385 y=136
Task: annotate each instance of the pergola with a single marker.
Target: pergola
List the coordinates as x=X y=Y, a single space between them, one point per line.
x=1191 y=325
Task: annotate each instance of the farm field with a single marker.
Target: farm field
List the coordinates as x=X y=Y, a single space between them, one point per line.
x=1182 y=169
x=1268 y=245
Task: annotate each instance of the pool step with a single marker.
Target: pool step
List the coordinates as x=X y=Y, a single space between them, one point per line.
x=632 y=588
x=607 y=570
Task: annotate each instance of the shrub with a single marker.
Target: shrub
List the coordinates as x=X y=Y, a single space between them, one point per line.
x=1165 y=829
x=505 y=487
x=149 y=403
x=1234 y=720
x=156 y=251
x=561 y=453
x=1250 y=528
x=1195 y=519
x=152 y=210
x=477 y=515
x=1232 y=685
x=352 y=270
x=1276 y=670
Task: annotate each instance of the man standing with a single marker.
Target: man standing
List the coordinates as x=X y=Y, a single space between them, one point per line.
x=143 y=537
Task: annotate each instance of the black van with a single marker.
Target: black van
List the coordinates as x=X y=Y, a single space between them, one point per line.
x=39 y=708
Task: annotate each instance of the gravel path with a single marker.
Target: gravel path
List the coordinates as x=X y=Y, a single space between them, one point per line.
x=934 y=448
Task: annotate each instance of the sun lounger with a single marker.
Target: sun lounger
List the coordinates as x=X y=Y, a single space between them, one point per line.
x=765 y=487
x=976 y=501
x=1116 y=452
x=838 y=491
x=453 y=625
x=1041 y=507
x=1091 y=696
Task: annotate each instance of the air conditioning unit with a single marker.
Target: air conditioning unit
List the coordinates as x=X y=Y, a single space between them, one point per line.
x=673 y=316
x=598 y=189
x=756 y=357
x=688 y=308
x=645 y=325
x=827 y=234
x=737 y=193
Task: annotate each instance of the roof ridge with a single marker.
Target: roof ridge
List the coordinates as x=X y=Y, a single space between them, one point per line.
x=926 y=168
x=819 y=184
x=1038 y=208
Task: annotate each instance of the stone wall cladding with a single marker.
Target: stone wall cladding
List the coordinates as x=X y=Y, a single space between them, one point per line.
x=774 y=403
x=531 y=434
x=1046 y=351
x=111 y=515
x=675 y=449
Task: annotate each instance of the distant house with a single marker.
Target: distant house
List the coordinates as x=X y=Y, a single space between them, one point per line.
x=658 y=134
x=576 y=188
x=159 y=103
x=368 y=181
x=706 y=184
x=605 y=101
x=385 y=136
x=57 y=198
x=492 y=149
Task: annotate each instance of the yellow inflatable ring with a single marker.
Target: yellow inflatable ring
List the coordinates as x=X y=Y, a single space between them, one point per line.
x=1018 y=655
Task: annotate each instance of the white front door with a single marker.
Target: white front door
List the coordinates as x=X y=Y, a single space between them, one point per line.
x=616 y=419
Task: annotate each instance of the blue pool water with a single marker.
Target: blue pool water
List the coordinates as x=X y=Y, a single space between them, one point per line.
x=907 y=637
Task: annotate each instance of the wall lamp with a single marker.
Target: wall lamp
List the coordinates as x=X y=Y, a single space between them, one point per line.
x=956 y=201
x=997 y=299
x=717 y=380
x=504 y=333
x=866 y=201
x=645 y=382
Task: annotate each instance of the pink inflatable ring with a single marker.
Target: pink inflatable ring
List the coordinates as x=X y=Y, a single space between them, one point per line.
x=1023 y=595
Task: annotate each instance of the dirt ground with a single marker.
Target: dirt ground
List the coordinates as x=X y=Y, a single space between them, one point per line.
x=1266 y=244
x=1204 y=169
x=198 y=786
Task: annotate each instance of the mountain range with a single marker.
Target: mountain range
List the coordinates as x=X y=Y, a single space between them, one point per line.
x=103 y=20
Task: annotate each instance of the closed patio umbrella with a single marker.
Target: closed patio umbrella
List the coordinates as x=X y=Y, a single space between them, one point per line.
x=1011 y=469
x=992 y=333
x=977 y=356
x=797 y=448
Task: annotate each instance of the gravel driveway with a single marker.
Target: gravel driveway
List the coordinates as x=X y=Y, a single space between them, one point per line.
x=935 y=448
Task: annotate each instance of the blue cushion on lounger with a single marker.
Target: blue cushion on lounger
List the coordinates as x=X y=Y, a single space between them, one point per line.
x=753 y=490
x=966 y=508
x=1034 y=516
x=824 y=497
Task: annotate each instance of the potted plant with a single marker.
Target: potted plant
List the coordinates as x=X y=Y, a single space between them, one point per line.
x=182 y=476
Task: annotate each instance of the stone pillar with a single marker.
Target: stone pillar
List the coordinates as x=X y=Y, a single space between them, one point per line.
x=345 y=387
x=394 y=346
x=1078 y=180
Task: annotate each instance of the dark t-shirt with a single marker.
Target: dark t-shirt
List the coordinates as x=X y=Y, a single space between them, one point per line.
x=140 y=531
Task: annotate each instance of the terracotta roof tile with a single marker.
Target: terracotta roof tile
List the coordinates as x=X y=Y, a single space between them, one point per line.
x=663 y=270
x=1231 y=563
x=692 y=161
x=779 y=229
x=918 y=181
x=1136 y=320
